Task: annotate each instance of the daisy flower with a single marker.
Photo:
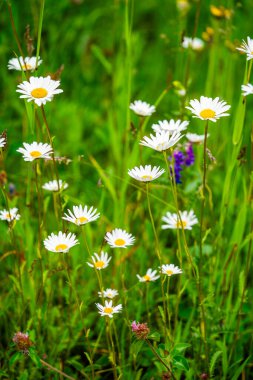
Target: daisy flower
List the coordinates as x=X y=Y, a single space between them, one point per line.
x=61 y=242
x=142 y=108
x=108 y=310
x=39 y=89
x=193 y=43
x=35 y=150
x=170 y=269
x=170 y=126
x=247 y=48
x=108 y=293
x=2 y=142
x=100 y=262
x=146 y=174
x=194 y=138
x=161 y=141
x=119 y=238
x=188 y=219
x=53 y=185
x=27 y=63
x=149 y=276
x=81 y=215
x=208 y=108
x=9 y=215
x=247 y=89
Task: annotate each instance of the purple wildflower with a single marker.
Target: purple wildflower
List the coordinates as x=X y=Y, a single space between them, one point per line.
x=189 y=158
x=140 y=330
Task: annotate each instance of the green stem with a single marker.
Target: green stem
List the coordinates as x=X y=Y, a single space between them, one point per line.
x=160 y=359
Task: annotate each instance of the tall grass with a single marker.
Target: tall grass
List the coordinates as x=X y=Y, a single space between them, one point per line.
x=113 y=52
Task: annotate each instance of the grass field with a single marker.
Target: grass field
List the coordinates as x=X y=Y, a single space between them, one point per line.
x=189 y=320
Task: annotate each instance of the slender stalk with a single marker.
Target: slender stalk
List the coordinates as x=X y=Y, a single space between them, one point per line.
x=49 y=366
x=160 y=359
x=14 y=29
x=39 y=31
x=112 y=348
x=157 y=248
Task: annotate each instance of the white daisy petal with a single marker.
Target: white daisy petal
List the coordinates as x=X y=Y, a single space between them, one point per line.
x=146 y=174
x=149 y=276
x=194 y=138
x=100 y=262
x=170 y=126
x=108 y=309
x=61 y=242
x=170 y=269
x=9 y=215
x=39 y=89
x=188 y=219
x=54 y=186
x=161 y=141
x=208 y=108
x=194 y=43
x=247 y=48
x=119 y=238
x=247 y=89
x=81 y=215
x=25 y=64
x=142 y=108
x=108 y=293
x=35 y=150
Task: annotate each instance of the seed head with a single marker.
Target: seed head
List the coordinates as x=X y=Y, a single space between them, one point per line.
x=141 y=330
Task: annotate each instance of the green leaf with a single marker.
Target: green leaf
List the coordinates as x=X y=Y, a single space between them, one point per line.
x=136 y=347
x=154 y=336
x=180 y=347
x=240 y=369
x=180 y=362
x=213 y=361
x=35 y=358
x=18 y=355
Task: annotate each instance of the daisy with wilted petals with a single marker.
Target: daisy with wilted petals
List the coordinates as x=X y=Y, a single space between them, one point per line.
x=142 y=108
x=194 y=138
x=193 y=43
x=119 y=238
x=247 y=89
x=35 y=150
x=247 y=47
x=108 y=293
x=170 y=269
x=9 y=215
x=170 y=126
x=146 y=174
x=81 y=215
x=54 y=186
x=161 y=141
x=61 y=242
x=208 y=108
x=108 y=310
x=188 y=219
x=100 y=262
x=149 y=276
x=27 y=63
x=39 y=89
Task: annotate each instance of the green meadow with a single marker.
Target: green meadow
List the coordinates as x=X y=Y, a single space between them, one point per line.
x=179 y=304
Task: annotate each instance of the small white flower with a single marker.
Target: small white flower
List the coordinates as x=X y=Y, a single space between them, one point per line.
x=9 y=215
x=208 y=108
x=149 y=276
x=146 y=174
x=61 y=242
x=170 y=269
x=247 y=89
x=108 y=310
x=81 y=215
x=100 y=262
x=119 y=238
x=161 y=141
x=54 y=186
x=188 y=219
x=142 y=108
x=247 y=47
x=39 y=89
x=193 y=43
x=35 y=150
x=108 y=293
x=170 y=126
x=194 y=138
x=2 y=142
x=25 y=64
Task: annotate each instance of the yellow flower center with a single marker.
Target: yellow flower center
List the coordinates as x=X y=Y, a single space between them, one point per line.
x=169 y=272
x=35 y=154
x=207 y=113
x=26 y=67
x=61 y=247
x=39 y=93
x=119 y=242
x=149 y=177
x=8 y=216
x=99 y=264
x=81 y=220
x=161 y=146
x=108 y=310
x=182 y=224
x=146 y=277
